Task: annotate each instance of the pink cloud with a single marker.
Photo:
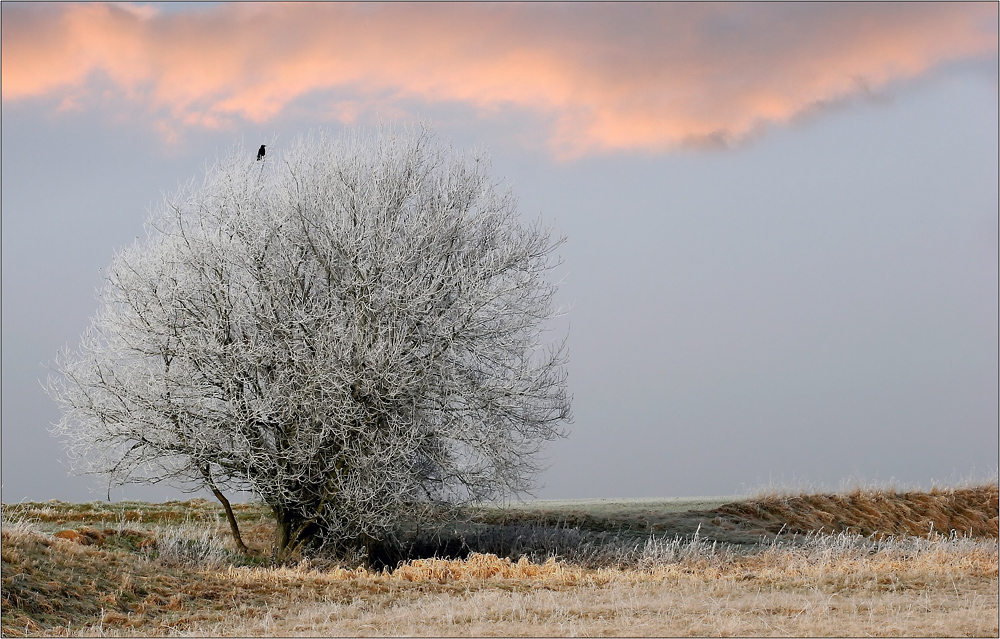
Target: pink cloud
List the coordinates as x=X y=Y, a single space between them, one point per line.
x=606 y=76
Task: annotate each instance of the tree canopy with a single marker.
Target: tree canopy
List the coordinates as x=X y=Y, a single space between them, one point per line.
x=352 y=331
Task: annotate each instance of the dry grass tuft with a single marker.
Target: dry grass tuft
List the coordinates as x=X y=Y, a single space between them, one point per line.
x=478 y=566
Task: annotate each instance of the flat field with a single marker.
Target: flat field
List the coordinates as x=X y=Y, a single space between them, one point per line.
x=868 y=562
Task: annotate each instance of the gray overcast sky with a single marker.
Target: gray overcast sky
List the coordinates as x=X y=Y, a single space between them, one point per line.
x=782 y=218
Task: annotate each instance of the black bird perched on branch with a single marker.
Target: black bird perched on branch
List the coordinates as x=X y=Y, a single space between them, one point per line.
x=260 y=153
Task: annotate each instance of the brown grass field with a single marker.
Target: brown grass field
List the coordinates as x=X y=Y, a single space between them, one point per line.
x=863 y=563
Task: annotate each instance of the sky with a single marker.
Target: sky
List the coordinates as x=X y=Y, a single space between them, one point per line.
x=782 y=218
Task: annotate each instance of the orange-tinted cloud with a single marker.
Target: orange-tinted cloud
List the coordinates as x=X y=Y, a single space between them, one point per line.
x=604 y=76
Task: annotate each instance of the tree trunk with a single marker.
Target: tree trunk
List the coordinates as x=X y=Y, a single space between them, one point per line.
x=232 y=520
x=293 y=533
x=233 y=526
x=282 y=533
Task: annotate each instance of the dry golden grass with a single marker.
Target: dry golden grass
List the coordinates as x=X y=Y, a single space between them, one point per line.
x=972 y=511
x=54 y=514
x=833 y=585
x=840 y=602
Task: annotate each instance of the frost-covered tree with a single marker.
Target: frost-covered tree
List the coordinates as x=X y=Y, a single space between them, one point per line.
x=352 y=329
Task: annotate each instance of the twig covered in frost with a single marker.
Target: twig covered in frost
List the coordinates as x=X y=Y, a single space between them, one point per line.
x=352 y=330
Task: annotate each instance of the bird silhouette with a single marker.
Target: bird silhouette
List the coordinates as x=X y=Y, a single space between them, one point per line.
x=260 y=153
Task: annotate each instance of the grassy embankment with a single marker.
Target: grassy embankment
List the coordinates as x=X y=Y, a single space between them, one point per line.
x=875 y=562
